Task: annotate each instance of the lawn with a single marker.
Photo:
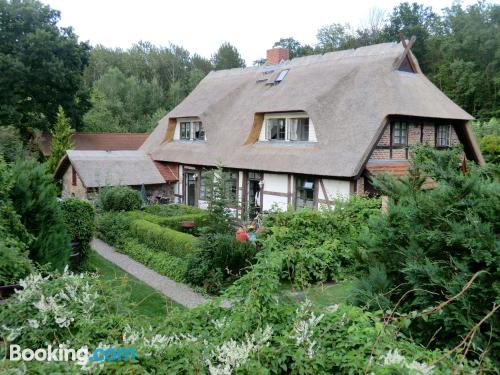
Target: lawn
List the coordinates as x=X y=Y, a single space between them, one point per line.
x=143 y=299
x=329 y=294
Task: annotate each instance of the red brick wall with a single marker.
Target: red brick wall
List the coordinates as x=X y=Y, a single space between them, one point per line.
x=424 y=131
x=275 y=55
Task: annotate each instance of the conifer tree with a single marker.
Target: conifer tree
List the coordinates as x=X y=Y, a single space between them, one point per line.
x=61 y=140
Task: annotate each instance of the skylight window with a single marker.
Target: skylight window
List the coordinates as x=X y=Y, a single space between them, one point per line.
x=281 y=76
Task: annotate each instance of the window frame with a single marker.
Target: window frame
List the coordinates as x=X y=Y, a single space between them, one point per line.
x=298 y=188
x=437 y=135
x=287 y=117
x=201 y=129
x=400 y=135
x=186 y=129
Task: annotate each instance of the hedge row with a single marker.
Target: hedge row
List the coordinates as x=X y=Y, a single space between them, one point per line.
x=172 y=209
x=173 y=222
x=162 y=262
x=162 y=239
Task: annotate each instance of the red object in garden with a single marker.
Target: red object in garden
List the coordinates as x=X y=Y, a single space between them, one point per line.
x=187 y=224
x=241 y=235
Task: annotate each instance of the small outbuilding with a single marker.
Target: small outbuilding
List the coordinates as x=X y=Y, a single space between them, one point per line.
x=83 y=172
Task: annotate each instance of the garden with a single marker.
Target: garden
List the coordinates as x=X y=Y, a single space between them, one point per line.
x=353 y=290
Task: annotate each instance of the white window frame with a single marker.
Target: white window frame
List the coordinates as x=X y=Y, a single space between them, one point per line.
x=191 y=121
x=287 y=116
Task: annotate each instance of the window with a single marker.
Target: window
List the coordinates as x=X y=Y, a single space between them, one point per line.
x=304 y=192
x=206 y=184
x=298 y=129
x=276 y=129
x=399 y=133
x=281 y=76
x=287 y=129
x=185 y=130
x=443 y=135
x=231 y=181
x=192 y=131
x=198 y=131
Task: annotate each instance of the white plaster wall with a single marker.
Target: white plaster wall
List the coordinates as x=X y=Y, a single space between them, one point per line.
x=270 y=201
x=274 y=182
x=335 y=189
x=177 y=132
x=312 y=132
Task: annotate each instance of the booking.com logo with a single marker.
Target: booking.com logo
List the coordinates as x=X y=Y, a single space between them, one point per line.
x=64 y=354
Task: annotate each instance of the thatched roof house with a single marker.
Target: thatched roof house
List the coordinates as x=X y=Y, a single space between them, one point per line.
x=301 y=131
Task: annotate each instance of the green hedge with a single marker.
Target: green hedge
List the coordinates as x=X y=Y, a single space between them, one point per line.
x=162 y=239
x=172 y=209
x=173 y=222
x=162 y=262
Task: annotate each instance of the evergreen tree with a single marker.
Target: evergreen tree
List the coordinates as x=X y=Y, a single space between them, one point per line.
x=61 y=140
x=227 y=57
x=34 y=197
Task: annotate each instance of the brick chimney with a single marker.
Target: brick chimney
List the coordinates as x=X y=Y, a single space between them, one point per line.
x=276 y=55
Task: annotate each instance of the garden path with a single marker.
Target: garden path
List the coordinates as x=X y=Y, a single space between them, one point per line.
x=178 y=292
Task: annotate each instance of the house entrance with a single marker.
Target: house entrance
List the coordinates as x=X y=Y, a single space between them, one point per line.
x=190 y=188
x=253 y=197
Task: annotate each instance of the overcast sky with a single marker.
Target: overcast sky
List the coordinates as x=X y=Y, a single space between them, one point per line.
x=202 y=25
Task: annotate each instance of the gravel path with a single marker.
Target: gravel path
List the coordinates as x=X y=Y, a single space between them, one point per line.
x=178 y=292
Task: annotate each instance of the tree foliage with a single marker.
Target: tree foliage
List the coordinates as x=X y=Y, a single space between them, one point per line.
x=41 y=66
x=227 y=57
x=34 y=198
x=61 y=140
x=432 y=242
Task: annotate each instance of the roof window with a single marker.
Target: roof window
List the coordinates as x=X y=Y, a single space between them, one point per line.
x=281 y=76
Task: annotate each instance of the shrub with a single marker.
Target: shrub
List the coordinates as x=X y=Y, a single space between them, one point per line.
x=172 y=209
x=14 y=239
x=14 y=261
x=119 y=198
x=34 y=197
x=113 y=227
x=320 y=245
x=79 y=216
x=431 y=243
x=217 y=259
x=162 y=239
x=162 y=262
x=174 y=222
x=57 y=308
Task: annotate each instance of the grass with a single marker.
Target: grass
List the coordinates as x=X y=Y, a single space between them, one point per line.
x=143 y=299
x=329 y=294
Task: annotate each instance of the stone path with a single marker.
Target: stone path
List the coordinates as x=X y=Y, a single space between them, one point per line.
x=180 y=293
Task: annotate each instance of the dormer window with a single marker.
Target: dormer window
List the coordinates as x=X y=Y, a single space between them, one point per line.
x=198 y=131
x=288 y=127
x=190 y=130
x=186 y=130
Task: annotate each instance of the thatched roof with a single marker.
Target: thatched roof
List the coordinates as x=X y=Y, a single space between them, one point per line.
x=111 y=168
x=347 y=94
x=97 y=141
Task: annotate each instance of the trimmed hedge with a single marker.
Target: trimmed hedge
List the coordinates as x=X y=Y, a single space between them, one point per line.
x=79 y=216
x=173 y=222
x=162 y=262
x=163 y=239
x=119 y=198
x=113 y=227
x=172 y=209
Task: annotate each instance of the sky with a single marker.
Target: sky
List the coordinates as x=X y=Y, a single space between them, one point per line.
x=201 y=26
